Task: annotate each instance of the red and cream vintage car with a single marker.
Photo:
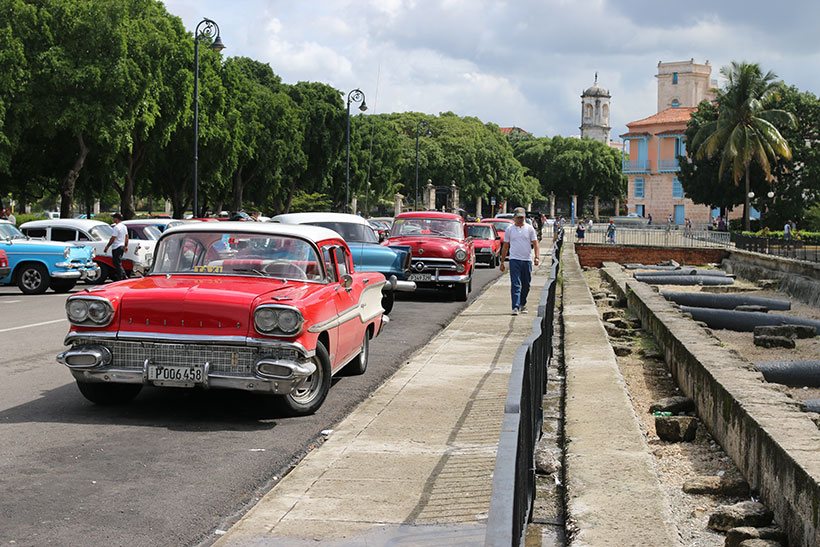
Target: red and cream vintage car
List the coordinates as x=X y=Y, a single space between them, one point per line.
x=442 y=255
x=253 y=306
x=487 y=243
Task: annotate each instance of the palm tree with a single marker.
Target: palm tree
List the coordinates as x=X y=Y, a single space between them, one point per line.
x=745 y=130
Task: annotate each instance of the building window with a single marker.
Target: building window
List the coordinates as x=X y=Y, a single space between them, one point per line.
x=677 y=188
x=674 y=78
x=675 y=103
x=638 y=187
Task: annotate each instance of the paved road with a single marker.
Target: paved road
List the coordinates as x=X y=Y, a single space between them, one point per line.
x=174 y=465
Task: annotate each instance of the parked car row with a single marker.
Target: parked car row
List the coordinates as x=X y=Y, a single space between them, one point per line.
x=275 y=307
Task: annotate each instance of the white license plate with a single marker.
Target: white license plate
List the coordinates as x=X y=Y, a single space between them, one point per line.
x=176 y=375
x=420 y=277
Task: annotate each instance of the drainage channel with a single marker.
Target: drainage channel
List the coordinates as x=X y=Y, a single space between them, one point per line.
x=548 y=519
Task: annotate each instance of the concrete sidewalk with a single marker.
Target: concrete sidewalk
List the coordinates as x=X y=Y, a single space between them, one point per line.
x=414 y=462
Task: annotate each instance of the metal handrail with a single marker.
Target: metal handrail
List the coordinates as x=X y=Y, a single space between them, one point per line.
x=788 y=248
x=513 y=491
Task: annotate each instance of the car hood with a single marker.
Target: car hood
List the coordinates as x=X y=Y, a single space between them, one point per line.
x=47 y=247
x=199 y=305
x=429 y=246
x=483 y=242
x=372 y=257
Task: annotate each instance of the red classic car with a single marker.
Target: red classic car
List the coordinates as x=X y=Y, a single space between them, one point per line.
x=254 y=306
x=442 y=255
x=500 y=224
x=487 y=243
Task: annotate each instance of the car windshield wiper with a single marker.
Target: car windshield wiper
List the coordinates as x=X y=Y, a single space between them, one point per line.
x=250 y=270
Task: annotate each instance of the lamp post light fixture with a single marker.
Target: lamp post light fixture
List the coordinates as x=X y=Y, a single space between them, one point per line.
x=356 y=96
x=770 y=195
x=205 y=29
x=426 y=126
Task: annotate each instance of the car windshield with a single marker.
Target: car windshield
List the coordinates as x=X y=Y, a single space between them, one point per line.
x=350 y=231
x=101 y=232
x=236 y=253
x=426 y=227
x=480 y=232
x=500 y=226
x=10 y=231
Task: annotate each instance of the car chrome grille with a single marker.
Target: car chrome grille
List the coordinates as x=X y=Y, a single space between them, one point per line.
x=224 y=359
x=430 y=265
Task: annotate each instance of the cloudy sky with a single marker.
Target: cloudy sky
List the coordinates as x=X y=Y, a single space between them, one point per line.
x=512 y=62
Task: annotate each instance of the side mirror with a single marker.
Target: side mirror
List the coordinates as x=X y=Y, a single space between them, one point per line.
x=347 y=281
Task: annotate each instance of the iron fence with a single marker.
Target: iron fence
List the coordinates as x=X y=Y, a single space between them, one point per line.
x=788 y=248
x=671 y=236
x=513 y=491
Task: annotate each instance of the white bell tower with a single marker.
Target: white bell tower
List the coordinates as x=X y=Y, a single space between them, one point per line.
x=595 y=113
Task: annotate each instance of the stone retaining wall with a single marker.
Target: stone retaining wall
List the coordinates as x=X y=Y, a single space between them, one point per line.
x=773 y=443
x=594 y=255
x=798 y=278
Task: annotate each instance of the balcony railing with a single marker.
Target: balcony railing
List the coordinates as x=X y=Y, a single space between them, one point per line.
x=636 y=166
x=668 y=166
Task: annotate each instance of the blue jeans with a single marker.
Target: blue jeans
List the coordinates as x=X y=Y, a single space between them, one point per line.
x=520 y=276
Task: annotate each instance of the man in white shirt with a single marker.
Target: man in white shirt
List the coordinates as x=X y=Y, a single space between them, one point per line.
x=119 y=245
x=520 y=240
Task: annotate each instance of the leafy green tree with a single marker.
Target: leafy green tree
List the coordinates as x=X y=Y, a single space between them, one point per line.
x=15 y=72
x=745 y=130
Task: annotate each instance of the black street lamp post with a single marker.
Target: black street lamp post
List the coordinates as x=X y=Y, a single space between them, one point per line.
x=205 y=29
x=356 y=96
x=425 y=125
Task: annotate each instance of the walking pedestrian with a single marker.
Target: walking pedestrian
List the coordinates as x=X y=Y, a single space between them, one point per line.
x=649 y=216
x=119 y=246
x=579 y=231
x=520 y=240
x=10 y=216
x=610 y=232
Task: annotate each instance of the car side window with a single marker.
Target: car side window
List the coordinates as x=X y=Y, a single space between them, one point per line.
x=341 y=262
x=63 y=234
x=35 y=232
x=82 y=236
x=329 y=266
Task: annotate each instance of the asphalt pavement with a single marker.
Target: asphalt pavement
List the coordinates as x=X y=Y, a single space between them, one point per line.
x=174 y=465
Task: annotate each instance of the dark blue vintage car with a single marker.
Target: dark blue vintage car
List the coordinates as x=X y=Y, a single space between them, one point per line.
x=35 y=265
x=368 y=255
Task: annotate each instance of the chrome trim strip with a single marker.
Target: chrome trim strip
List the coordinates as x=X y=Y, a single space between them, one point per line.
x=336 y=321
x=189 y=338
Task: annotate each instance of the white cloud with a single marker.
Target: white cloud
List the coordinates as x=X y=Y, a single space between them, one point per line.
x=513 y=62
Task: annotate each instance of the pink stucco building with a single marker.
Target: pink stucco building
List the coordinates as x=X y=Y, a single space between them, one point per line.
x=655 y=142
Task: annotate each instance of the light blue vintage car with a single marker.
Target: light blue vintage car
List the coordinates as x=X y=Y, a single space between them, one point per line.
x=36 y=265
x=368 y=255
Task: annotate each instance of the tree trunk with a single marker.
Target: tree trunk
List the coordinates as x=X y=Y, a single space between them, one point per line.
x=70 y=180
x=238 y=186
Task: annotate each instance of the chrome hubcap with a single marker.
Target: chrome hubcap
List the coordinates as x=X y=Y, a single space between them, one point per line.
x=310 y=389
x=32 y=279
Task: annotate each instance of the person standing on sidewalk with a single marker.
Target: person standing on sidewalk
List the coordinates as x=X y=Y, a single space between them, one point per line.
x=119 y=245
x=520 y=240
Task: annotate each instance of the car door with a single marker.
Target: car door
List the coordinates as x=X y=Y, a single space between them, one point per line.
x=350 y=329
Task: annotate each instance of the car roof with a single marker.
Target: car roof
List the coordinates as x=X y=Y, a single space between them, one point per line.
x=430 y=214
x=311 y=233
x=150 y=221
x=81 y=223
x=497 y=219
x=305 y=218
x=477 y=224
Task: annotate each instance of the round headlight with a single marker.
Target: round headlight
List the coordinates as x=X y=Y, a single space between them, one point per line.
x=461 y=255
x=77 y=310
x=289 y=321
x=98 y=312
x=460 y=268
x=265 y=319
x=67 y=251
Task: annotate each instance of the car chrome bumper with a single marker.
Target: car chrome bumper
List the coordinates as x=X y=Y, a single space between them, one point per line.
x=395 y=284
x=444 y=280
x=72 y=270
x=95 y=362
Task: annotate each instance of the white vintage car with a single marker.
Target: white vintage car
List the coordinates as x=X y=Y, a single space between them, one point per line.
x=96 y=234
